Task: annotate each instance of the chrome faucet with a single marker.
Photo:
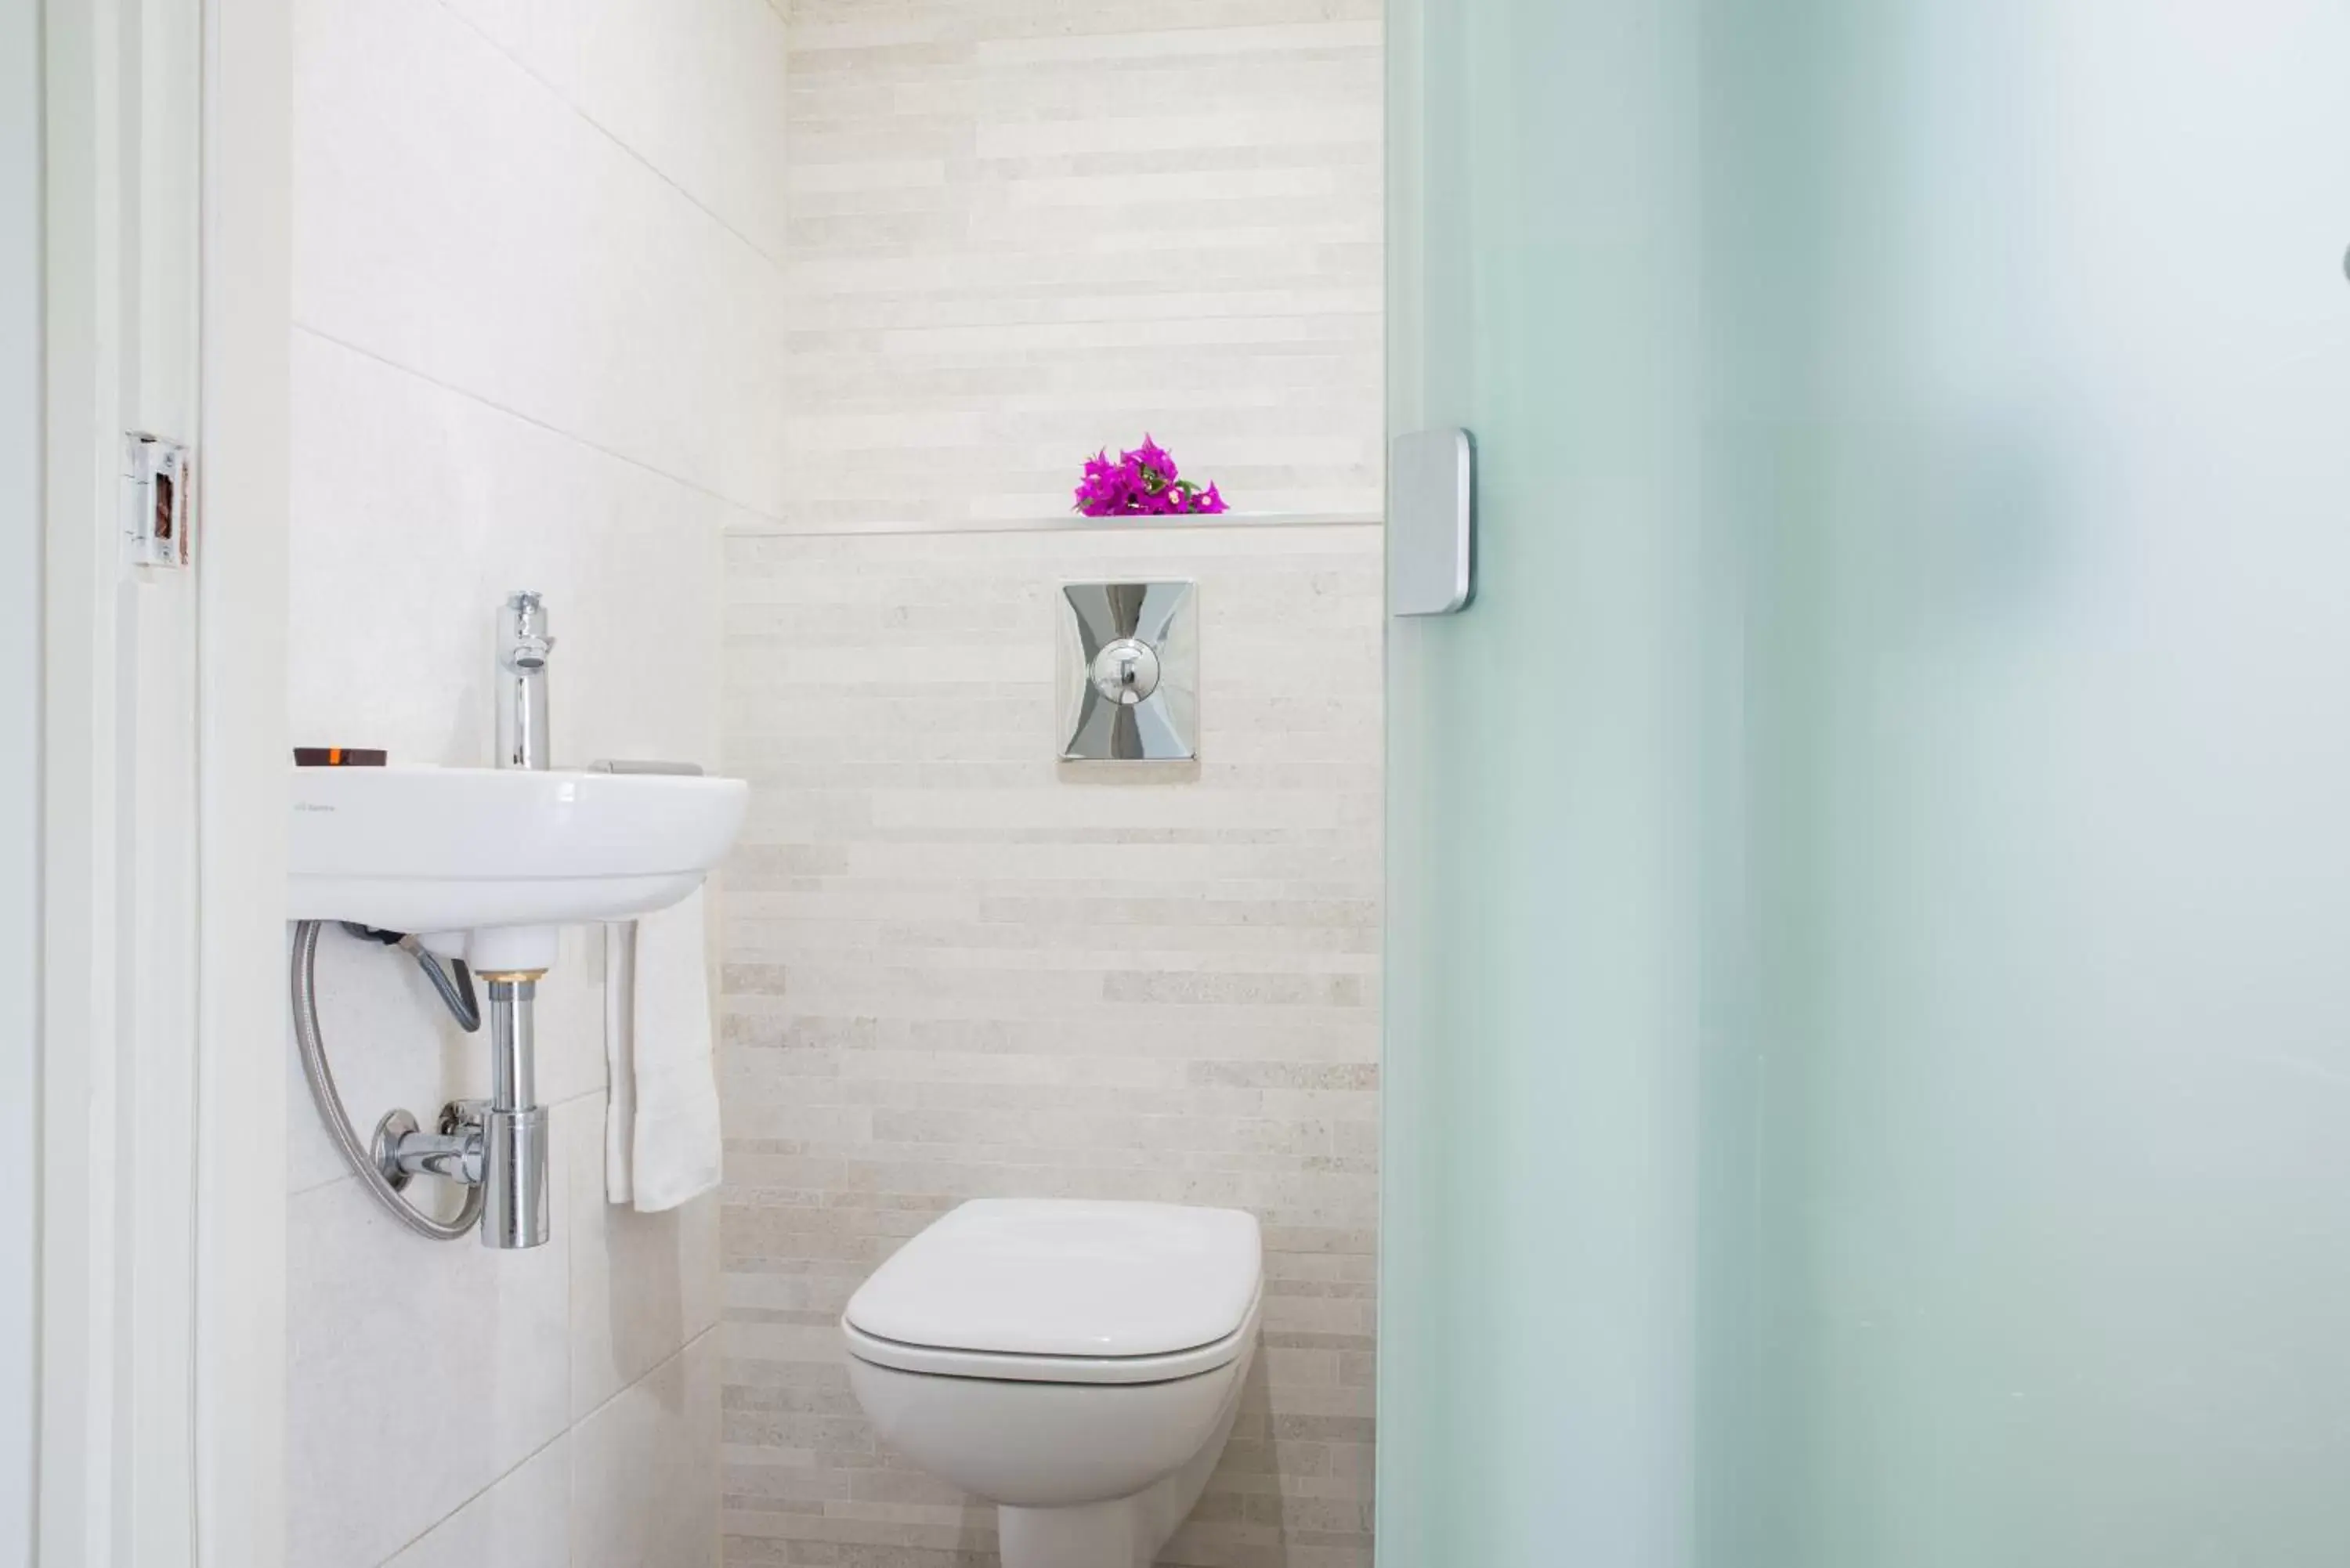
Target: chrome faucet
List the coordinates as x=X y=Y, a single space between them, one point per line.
x=523 y=647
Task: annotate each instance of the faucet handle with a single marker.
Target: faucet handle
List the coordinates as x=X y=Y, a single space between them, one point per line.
x=527 y=641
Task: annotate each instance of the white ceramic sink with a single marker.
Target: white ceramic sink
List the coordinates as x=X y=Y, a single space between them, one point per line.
x=483 y=864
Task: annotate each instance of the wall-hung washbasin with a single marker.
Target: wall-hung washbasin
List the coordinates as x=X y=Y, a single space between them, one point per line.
x=483 y=864
x=486 y=866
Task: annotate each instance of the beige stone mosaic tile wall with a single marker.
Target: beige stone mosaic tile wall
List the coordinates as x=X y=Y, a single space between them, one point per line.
x=1020 y=230
x=954 y=968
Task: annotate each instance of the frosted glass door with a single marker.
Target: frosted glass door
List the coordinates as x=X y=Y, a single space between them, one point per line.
x=21 y=431
x=1869 y=1075
x=1536 y=1304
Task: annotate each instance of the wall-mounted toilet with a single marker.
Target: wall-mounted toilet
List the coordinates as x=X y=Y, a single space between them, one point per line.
x=1077 y=1364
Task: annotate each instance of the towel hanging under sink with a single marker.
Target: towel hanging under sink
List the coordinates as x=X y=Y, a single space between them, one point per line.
x=662 y=1142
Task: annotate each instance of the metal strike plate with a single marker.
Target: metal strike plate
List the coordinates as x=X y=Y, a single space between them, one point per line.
x=1432 y=511
x=156 y=500
x=1129 y=672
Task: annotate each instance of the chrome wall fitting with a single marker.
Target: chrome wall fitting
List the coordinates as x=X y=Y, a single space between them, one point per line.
x=1131 y=664
x=404 y=1151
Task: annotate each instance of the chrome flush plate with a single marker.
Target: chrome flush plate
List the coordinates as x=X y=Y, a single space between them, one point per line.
x=1129 y=671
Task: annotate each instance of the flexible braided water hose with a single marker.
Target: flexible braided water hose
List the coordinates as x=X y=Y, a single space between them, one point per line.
x=321 y=1078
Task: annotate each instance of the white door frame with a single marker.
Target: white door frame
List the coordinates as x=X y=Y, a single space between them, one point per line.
x=242 y=616
x=162 y=1208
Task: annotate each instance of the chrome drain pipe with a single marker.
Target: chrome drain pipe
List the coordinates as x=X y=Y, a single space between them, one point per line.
x=513 y=1125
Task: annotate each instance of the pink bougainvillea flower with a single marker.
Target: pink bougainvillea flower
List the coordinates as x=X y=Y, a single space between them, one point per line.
x=1156 y=459
x=1108 y=487
x=1142 y=483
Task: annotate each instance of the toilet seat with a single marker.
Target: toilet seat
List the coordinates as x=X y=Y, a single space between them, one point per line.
x=1063 y=1290
x=941 y=1361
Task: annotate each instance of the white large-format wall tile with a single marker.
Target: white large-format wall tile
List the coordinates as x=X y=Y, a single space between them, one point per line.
x=641 y=1285
x=644 y=1469
x=418 y=509
x=1020 y=232
x=538 y=345
x=456 y=216
x=689 y=85
x=955 y=968
x=419 y=1372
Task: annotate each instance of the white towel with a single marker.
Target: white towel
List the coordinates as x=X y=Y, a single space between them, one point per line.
x=660 y=1128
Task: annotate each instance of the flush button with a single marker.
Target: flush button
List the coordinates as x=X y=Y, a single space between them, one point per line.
x=1127 y=671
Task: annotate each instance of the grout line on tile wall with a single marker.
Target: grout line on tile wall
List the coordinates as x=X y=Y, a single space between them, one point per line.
x=601 y=130
x=595 y=1410
x=497 y=1482
x=320 y=1185
x=533 y=421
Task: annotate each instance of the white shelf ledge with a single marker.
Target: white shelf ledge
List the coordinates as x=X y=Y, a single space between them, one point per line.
x=1068 y=521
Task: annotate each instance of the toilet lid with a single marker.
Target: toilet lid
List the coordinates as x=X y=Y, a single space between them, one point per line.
x=1068 y=1278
